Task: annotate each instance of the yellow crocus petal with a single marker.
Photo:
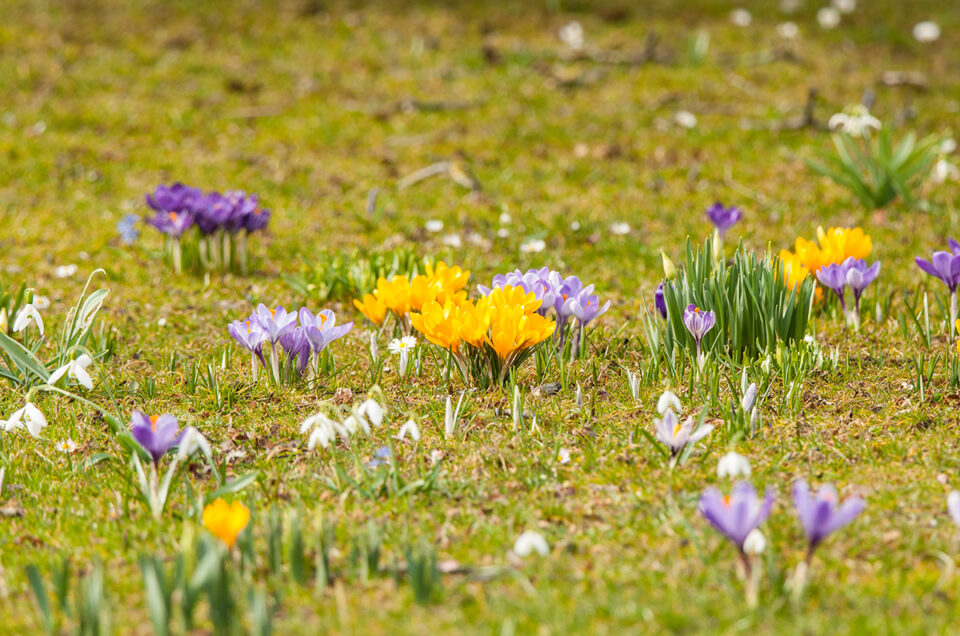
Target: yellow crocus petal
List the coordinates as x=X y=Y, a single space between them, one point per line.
x=226 y=521
x=372 y=308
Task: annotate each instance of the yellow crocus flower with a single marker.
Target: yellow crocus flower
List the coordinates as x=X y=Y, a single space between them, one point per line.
x=225 y=521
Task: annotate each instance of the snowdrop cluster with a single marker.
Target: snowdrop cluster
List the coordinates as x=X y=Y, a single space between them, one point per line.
x=322 y=430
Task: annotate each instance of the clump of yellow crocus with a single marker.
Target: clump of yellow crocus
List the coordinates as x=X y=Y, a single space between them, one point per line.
x=401 y=295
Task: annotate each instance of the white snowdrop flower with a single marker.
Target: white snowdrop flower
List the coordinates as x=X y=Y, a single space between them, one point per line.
x=162 y=322
x=948 y=145
x=755 y=543
x=323 y=435
x=953 y=506
x=192 y=441
x=563 y=456
x=505 y=219
x=409 y=428
x=374 y=349
x=669 y=400
x=433 y=225
x=532 y=246
x=926 y=31
x=741 y=17
x=371 y=411
x=452 y=240
x=503 y=233
x=41 y=302
x=530 y=542
x=65 y=271
x=67 y=446
x=620 y=229
x=29 y=417
x=788 y=30
x=733 y=465
x=27 y=314
x=353 y=424
x=685 y=119
x=571 y=34
x=944 y=171
x=449 y=421
x=828 y=18
x=75 y=370
x=844 y=6
x=749 y=397
x=855 y=120
x=575 y=226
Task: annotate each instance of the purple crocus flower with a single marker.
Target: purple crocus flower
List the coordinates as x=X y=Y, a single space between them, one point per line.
x=738 y=513
x=834 y=277
x=675 y=435
x=248 y=333
x=945 y=266
x=698 y=323
x=660 y=301
x=296 y=346
x=586 y=306
x=822 y=513
x=723 y=218
x=275 y=322
x=321 y=329
x=256 y=220
x=859 y=277
x=174 y=198
x=172 y=223
x=155 y=434
x=213 y=212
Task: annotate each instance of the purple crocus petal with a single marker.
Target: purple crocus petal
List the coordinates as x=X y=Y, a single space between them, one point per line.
x=660 y=301
x=927 y=266
x=943 y=263
x=820 y=515
x=248 y=333
x=156 y=435
x=723 y=218
x=275 y=322
x=954 y=246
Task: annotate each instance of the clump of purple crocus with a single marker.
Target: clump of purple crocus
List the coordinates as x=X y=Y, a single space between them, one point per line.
x=853 y=273
x=698 y=323
x=946 y=267
x=568 y=297
x=820 y=514
x=299 y=342
x=223 y=220
x=736 y=516
x=156 y=435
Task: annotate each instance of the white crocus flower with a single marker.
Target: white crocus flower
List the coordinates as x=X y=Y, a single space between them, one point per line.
x=741 y=17
x=409 y=428
x=572 y=35
x=449 y=421
x=828 y=18
x=28 y=313
x=944 y=171
x=685 y=119
x=29 y=417
x=733 y=465
x=669 y=400
x=755 y=543
x=530 y=542
x=433 y=225
x=75 y=370
x=532 y=246
x=926 y=32
x=953 y=506
x=65 y=271
x=192 y=441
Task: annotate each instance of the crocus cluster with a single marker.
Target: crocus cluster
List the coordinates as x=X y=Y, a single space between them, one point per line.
x=567 y=297
x=946 y=266
x=853 y=273
x=223 y=222
x=301 y=336
x=487 y=338
x=738 y=516
x=401 y=295
x=832 y=247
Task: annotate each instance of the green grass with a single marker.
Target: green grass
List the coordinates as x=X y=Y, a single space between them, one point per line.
x=299 y=103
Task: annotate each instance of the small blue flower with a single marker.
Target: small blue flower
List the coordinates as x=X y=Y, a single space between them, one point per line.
x=127 y=228
x=380 y=458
